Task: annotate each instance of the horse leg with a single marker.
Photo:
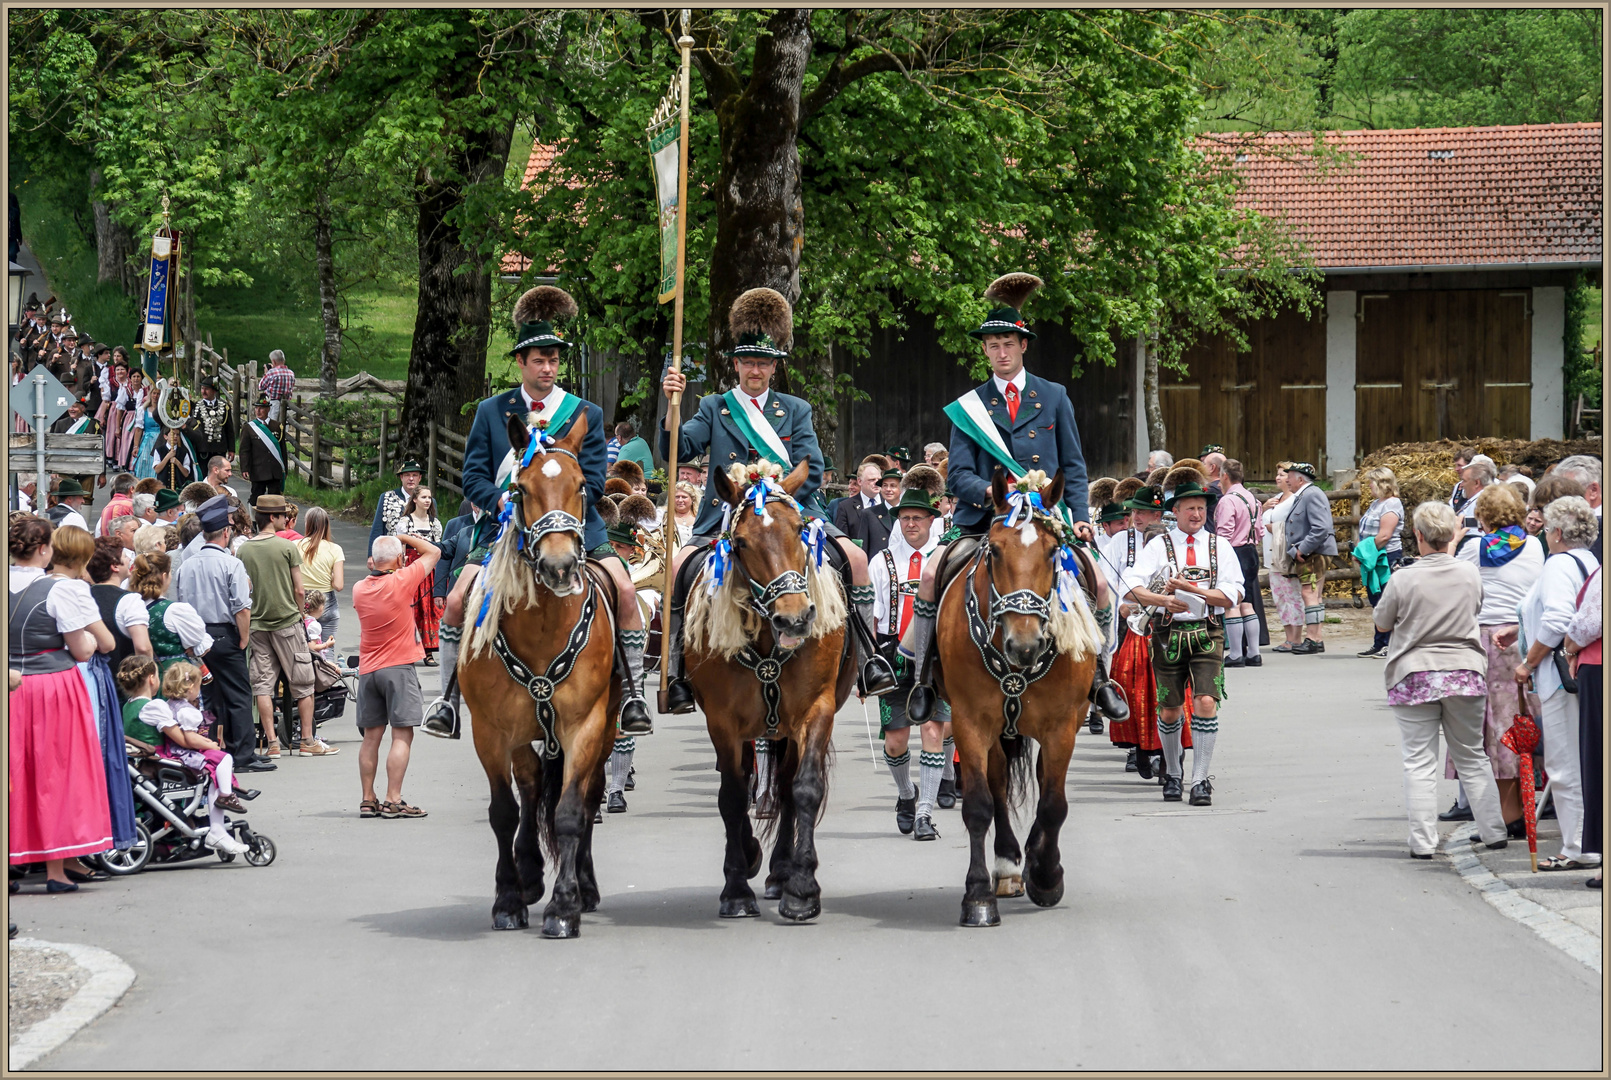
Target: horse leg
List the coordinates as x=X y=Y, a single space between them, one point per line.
x=784 y=766
x=509 y=909
x=802 y=895
x=1009 y=856
x=978 y=808
x=528 y=851
x=1043 y=864
x=586 y=882
x=743 y=855
x=582 y=782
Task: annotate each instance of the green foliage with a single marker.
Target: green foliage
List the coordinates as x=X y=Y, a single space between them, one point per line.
x=56 y=236
x=1583 y=375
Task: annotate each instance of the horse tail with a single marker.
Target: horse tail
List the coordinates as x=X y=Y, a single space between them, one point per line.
x=1020 y=769
x=553 y=788
x=766 y=828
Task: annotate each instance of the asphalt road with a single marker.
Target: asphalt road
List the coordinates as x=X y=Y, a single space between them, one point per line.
x=1283 y=928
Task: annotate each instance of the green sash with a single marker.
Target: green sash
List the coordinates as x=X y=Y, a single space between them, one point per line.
x=261 y=430
x=969 y=414
x=760 y=434
x=560 y=414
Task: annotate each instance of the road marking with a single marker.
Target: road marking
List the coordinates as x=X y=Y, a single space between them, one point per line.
x=1552 y=926
x=109 y=979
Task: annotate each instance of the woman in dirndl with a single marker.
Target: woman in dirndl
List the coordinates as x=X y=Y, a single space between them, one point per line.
x=132 y=402
x=419 y=519
x=58 y=792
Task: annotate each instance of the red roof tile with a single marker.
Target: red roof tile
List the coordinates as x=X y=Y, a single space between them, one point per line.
x=1436 y=196
x=542 y=156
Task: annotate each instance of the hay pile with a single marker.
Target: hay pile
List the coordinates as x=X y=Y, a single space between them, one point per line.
x=1425 y=470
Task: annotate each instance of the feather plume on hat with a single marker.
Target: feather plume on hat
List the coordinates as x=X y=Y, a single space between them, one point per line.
x=763 y=311
x=1180 y=474
x=608 y=511
x=1102 y=491
x=617 y=486
x=1013 y=289
x=924 y=478
x=545 y=303
x=1127 y=489
x=638 y=510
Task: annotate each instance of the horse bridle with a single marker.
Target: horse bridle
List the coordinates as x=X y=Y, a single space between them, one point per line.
x=1012 y=681
x=527 y=537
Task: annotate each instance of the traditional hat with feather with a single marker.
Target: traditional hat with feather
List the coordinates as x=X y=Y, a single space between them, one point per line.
x=1010 y=292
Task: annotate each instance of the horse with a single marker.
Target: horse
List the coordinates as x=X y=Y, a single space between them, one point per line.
x=1021 y=670
x=765 y=648
x=537 y=667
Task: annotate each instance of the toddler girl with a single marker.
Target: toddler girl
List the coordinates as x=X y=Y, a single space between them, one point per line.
x=312 y=608
x=180 y=721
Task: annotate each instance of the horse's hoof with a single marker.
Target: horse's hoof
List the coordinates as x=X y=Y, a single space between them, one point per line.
x=980 y=913
x=743 y=908
x=1043 y=897
x=798 y=909
x=562 y=926
x=589 y=903
x=509 y=920
x=1010 y=885
x=753 y=850
x=774 y=890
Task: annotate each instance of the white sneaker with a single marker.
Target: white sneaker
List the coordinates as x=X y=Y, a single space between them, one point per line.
x=222 y=841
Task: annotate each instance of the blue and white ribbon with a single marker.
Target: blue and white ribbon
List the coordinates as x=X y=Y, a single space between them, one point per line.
x=720 y=560
x=540 y=442
x=1023 y=503
x=1068 y=576
x=813 y=536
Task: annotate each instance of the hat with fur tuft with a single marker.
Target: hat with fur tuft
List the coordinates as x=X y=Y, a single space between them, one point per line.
x=1011 y=292
x=924 y=478
x=536 y=314
x=762 y=322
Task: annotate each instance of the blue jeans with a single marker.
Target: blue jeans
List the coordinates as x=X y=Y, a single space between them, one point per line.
x=1383 y=637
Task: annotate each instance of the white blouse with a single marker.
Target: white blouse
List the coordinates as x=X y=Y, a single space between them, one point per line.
x=70 y=603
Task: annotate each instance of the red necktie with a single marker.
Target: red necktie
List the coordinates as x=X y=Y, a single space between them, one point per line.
x=1012 y=402
x=1191 y=551
x=757 y=404
x=914 y=571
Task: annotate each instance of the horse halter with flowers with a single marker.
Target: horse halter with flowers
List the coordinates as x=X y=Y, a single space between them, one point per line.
x=1025 y=510
x=764 y=489
x=527 y=537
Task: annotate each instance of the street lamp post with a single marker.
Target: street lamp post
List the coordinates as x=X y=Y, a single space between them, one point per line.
x=18 y=274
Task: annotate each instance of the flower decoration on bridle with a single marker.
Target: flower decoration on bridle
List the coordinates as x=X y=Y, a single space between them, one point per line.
x=1026 y=509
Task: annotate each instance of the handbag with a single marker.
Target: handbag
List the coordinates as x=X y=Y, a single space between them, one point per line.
x=1281 y=562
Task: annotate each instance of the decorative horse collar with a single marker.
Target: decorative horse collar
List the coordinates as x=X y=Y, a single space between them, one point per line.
x=543 y=687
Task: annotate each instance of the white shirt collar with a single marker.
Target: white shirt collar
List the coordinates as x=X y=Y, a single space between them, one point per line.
x=549 y=402
x=902 y=551
x=760 y=402
x=1017 y=381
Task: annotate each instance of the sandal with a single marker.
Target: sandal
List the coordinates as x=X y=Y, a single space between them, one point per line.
x=1557 y=862
x=369 y=808
x=400 y=809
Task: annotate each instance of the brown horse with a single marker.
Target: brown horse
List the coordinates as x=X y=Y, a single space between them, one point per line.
x=764 y=651
x=1017 y=665
x=537 y=667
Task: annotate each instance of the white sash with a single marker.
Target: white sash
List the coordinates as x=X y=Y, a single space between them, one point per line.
x=763 y=427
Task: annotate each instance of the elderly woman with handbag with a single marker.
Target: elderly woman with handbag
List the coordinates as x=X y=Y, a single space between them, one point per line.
x=1435 y=678
x=1546 y=612
x=1285 y=589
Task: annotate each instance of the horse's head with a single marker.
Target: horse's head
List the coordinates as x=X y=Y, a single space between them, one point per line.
x=549 y=503
x=1022 y=560
x=766 y=544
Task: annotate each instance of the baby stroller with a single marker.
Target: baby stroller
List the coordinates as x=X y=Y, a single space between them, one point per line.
x=171 y=817
x=333 y=687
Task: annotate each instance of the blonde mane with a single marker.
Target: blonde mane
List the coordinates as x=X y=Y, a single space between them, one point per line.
x=1075 y=631
x=513 y=584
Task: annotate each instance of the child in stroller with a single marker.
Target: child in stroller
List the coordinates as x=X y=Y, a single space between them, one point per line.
x=180 y=721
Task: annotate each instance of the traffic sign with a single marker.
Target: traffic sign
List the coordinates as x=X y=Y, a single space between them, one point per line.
x=57 y=397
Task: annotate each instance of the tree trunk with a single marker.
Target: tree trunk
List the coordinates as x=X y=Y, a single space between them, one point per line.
x=1157 y=436
x=325 y=257
x=448 y=359
x=760 y=215
x=113 y=243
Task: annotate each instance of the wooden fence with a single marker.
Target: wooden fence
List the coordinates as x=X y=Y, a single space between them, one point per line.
x=327 y=453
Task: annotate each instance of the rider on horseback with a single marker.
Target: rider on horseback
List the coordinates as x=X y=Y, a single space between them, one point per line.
x=489 y=464
x=1019 y=421
x=749 y=420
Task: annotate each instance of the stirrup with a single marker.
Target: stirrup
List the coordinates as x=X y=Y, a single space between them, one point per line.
x=441 y=720
x=635 y=719
x=877 y=678
x=1109 y=703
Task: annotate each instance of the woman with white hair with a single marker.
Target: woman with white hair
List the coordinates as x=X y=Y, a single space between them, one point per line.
x=1546 y=613
x=1435 y=678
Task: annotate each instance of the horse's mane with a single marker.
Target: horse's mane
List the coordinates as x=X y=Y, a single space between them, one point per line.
x=513 y=585
x=723 y=621
x=1073 y=631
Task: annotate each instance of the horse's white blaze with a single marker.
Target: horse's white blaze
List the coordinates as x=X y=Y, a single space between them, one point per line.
x=551 y=468
x=1027 y=535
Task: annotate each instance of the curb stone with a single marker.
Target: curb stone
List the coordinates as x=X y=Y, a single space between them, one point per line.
x=1552 y=926
x=109 y=979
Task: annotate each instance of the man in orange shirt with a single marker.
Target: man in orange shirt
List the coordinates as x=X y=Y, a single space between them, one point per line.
x=388 y=649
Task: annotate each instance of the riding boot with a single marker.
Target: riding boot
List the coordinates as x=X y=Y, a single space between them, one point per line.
x=1104 y=697
x=634 y=711
x=442 y=718
x=679 y=695
x=875 y=676
x=921 y=701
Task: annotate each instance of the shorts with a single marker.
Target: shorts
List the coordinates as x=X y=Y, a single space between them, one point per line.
x=892 y=712
x=1198 y=651
x=390 y=695
x=1311 y=571
x=281 y=651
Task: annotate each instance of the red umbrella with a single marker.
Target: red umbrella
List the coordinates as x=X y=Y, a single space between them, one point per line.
x=1522 y=739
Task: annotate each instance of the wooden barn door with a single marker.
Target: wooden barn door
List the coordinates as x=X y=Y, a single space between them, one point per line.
x=1264 y=405
x=1442 y=364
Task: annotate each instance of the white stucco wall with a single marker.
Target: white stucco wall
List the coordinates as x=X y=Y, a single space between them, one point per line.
x=1549 y=363
x=1342 y=335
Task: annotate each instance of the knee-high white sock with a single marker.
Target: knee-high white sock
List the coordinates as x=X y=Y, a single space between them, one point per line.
x=763 y=764
x=901 y=769
x=1250 y=636
x=1169 y=736
x=930 y=766
x=621 y=763
x=1233 y=637
x=1204 y=730
x=948 y=748
x=225 y=772
x=215 y=816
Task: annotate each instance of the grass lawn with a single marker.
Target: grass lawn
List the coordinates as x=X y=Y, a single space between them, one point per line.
x=252 y=322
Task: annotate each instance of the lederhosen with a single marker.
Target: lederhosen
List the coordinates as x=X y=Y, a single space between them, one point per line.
x=898 y=590
x=1190 y=653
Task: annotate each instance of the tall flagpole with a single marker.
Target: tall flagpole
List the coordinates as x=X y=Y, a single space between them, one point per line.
x=674 y=405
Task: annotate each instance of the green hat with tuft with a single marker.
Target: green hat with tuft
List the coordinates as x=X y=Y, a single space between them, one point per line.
x=537 y=314
x=1112 y=512
x=916 y=499
x=1010 y=292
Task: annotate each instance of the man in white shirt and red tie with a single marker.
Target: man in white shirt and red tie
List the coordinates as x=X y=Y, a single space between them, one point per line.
x=896 y=573
x=1203 y=581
